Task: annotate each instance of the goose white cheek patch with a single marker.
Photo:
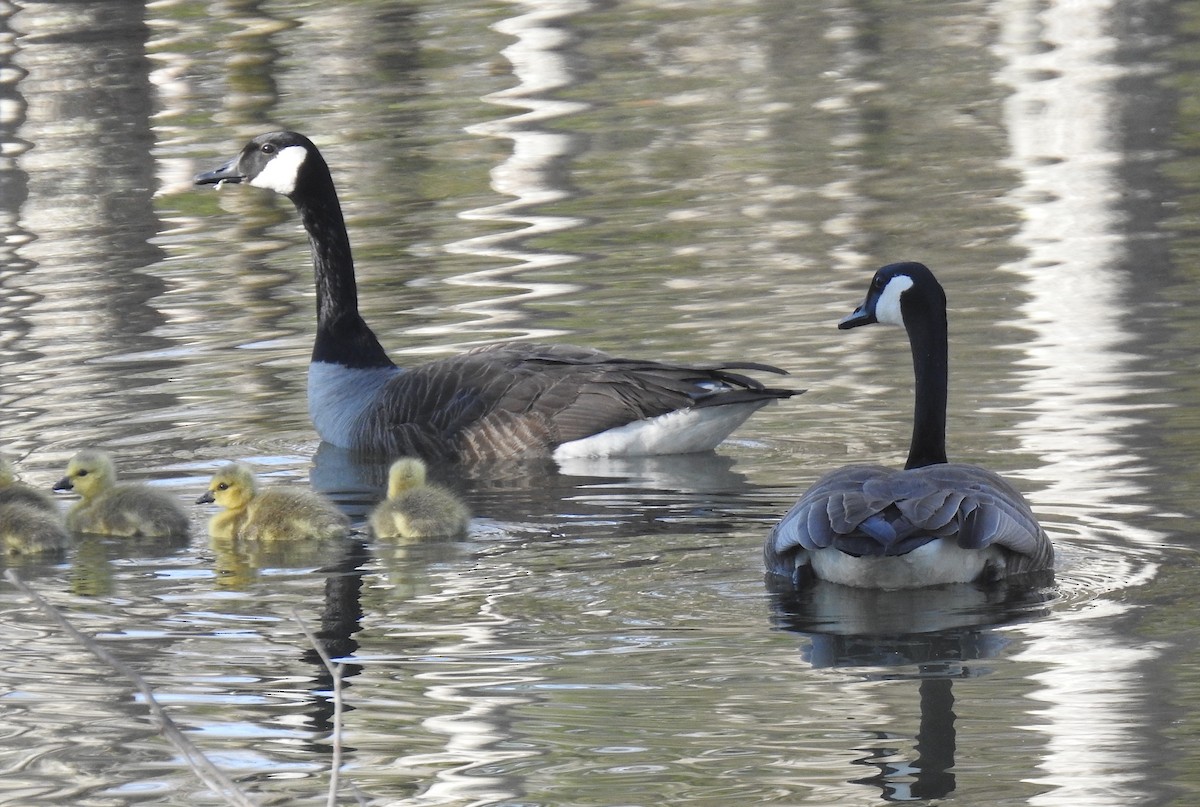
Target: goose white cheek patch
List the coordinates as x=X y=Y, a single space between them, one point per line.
x=887 y=308
x=281 y=172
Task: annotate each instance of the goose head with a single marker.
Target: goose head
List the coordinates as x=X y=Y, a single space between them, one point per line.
x=405 y=474
x=283 y=162
x=907 y=294
x=232 y=487
x=88 y=473
x=897 y=291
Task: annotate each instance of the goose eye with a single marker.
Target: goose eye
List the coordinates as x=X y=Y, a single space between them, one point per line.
x=268 y=148
x=82 y=473
x=223 y=486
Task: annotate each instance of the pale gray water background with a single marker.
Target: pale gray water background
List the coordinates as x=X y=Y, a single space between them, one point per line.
x=680 y=179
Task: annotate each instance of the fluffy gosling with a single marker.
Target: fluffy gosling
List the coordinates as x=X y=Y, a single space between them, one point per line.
x=12 y=491
x=127 y=509
x=414 y=509
x=29 y=519
x=26 y=530
x=272 y=514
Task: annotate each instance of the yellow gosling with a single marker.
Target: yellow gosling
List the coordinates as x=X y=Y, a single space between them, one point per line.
x=126 y=509
x=26 y=530
x=271 y=514
x=14 y=491
x=415 y=509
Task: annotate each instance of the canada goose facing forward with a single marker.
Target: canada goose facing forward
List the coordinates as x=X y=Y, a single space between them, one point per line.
x=271 y=514
x=415 y=509
x=506 y=400
x=125 y=509
x=931 y=523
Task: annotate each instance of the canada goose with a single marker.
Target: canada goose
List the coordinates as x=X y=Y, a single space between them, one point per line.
x=415 y=509
x=272 y=514
x=499 y=401
x=125 y=509
x=13 y=491
x=26 y=529
x=933 y=522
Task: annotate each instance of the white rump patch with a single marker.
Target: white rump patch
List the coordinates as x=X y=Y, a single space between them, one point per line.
x=280 y=173
x=887 y=307
x=684 y=431
x=340 y=397
x=935 y=563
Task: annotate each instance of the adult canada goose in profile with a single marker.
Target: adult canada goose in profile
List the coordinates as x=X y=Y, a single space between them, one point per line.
x=414 y=508
x=933 y=522
x=125 y=509
x=511 y=399
x=268 y=515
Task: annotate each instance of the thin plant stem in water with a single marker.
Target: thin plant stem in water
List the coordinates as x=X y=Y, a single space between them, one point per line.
x=206 y=771
x=335 y=672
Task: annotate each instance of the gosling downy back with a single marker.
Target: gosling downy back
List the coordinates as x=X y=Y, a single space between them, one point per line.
x=502 y=401
x=931 y=523
x=28 y=530
x=269 y=514
x=13 y=491
x=415 y=509
x=124 y=509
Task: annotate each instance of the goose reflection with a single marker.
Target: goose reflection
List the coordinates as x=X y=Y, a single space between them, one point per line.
x=930 y=775
x=543 y=491
x=340 y=619
x=338 y=616
x=931 y=637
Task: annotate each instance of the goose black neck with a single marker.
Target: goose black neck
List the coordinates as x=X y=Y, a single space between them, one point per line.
x=925 y=321
x=343 y=337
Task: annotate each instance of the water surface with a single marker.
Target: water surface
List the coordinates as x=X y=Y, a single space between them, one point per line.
x=682 y=180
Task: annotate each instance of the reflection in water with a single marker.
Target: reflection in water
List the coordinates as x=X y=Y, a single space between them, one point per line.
x=1063 y=125
x=906 y=626
x=340 y=619
x=88 y=230
x=480 y=736
x=14 y=191
x=536 y=173
x=1090 y=707
x=929 y=775
x=932 y=636
x=482 y=689
x=599 y=637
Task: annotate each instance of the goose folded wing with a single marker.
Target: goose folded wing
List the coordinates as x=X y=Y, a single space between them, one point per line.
x=514 y=398
x=487 y=402
x=1001 y=521
x=992 y=512
x=832 y=507
x=867 y=510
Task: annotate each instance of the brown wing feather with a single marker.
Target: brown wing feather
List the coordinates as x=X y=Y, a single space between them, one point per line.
x=512 y=399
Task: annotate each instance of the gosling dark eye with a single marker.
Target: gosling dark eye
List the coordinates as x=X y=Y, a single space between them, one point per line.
x=268 y=148
x=223 y=486
x=82 y=473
